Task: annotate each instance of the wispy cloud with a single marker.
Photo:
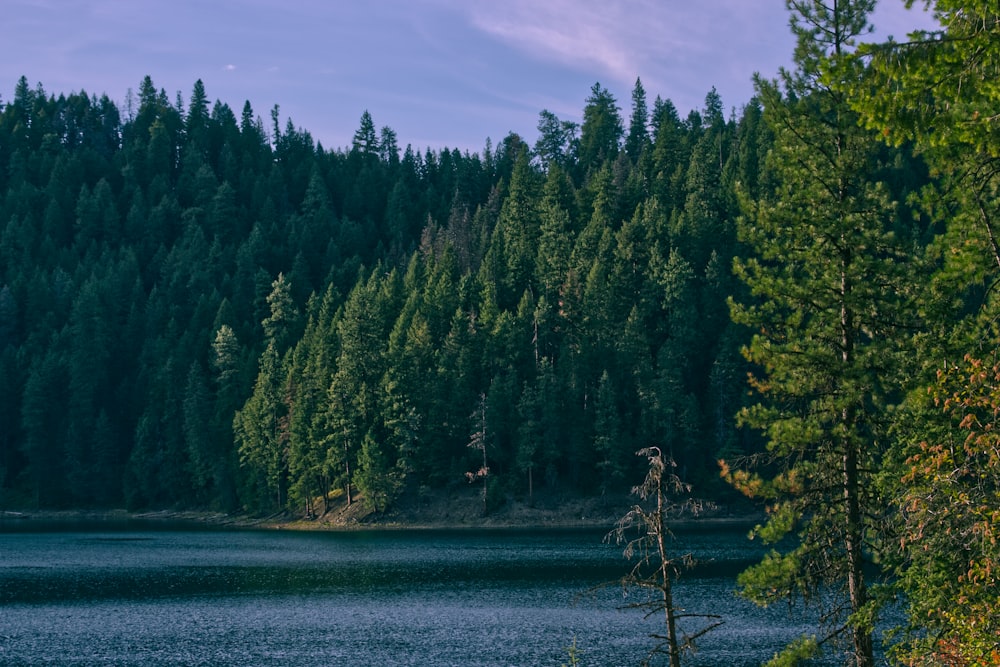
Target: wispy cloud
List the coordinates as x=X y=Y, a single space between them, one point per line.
x=678 y=48
x=589 y=35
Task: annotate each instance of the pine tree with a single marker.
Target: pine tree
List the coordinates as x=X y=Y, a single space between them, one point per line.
x=609 y=441
x=556 y=144
x=281 y=326
x=260 y=427
x=555 y=234
x=377 y=480
x=44 y=429
x=515 y=236
x=198 y=434
x=704 y=222
x=365 y=140
x=638 y=129
x=197 y=121
x=830 y=286
x=601 y=132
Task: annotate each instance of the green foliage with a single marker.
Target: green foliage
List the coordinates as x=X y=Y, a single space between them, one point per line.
x=602 y=130
x=799 y=651
x=831 y=285
x=937 y=91
x=556 y=145
x=228 y=316
x=280 y=325
x=260 y=428
x=376 y=478
x=943 y=82
x=638 y=127
x=948 y=490
x=573 y=653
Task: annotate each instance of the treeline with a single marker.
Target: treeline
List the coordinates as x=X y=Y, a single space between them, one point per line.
x=363 y=312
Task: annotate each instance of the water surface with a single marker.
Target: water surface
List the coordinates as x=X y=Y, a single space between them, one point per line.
x=366 y=598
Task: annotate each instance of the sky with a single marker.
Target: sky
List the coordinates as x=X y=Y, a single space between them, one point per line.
x=441 y=73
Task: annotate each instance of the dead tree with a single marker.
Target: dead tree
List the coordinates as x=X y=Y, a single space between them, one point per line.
x=656 y=567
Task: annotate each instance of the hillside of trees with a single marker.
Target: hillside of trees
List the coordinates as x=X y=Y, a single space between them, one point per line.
x=201 y=309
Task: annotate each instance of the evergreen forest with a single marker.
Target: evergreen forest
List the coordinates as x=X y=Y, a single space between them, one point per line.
x=199 y=309
x=794 y=300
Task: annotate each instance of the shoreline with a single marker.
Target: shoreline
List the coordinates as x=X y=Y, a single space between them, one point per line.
x=447 y=514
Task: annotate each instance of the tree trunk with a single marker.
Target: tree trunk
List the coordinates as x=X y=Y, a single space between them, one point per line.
x=854 y=530
x=347 y=482
x=854 y=545
x=666 y=581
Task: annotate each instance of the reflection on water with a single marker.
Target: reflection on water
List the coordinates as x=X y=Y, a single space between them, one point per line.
x=365 y=598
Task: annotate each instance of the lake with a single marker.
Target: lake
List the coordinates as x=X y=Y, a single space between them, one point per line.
x=171 y=597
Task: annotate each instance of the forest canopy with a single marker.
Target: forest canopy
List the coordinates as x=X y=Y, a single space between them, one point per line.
x=199 y=309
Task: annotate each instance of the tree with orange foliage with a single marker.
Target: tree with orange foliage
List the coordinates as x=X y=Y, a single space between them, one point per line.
x=949 y=532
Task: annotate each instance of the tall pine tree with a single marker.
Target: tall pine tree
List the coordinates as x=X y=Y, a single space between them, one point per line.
x=829 y=286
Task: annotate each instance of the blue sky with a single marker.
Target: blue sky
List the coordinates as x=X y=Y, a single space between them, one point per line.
x=439 y=72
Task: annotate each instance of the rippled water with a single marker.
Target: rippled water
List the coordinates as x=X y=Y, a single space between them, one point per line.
x=368 y=598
